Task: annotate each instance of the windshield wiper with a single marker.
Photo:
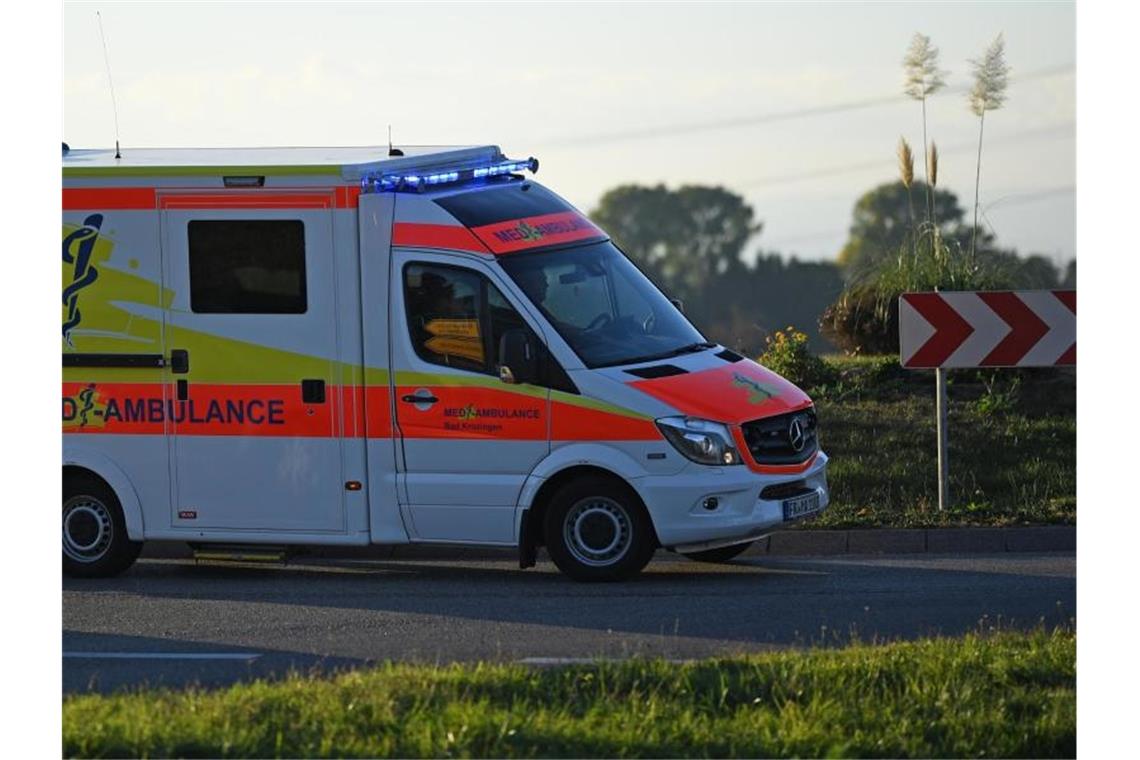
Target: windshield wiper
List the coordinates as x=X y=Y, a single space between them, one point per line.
x=692 y=348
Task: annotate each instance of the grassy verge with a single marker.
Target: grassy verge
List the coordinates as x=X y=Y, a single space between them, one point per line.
x=998 y=694
x=1013 y=447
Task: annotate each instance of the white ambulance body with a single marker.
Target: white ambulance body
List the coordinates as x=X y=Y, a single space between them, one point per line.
x=297 y=347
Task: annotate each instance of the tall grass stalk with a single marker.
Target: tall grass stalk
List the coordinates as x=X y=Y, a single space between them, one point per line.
x=991 y=78
x=932 y=172
x=906 y=174
x=922 y=78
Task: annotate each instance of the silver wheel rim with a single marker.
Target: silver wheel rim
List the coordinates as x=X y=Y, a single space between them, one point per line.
x=597 y=531
x=87 y=529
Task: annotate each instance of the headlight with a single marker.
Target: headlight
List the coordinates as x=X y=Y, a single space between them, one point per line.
x=702 y=441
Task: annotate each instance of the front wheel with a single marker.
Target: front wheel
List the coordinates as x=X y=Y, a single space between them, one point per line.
x=597 y=530
x=95 y=541
x=720 y=554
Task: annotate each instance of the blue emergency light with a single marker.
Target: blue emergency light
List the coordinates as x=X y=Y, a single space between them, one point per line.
x=419 y=180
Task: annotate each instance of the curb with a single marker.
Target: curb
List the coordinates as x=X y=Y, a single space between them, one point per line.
x=1046 y=538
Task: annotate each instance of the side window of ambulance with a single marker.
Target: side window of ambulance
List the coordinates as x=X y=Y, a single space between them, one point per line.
x=247 y=266
x=502 y=317
x=457 y=318
x=444 y=306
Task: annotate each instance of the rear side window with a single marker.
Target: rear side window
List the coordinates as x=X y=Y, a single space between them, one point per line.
x=247 y=266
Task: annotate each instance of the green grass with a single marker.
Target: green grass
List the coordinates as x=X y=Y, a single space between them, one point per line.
x=994 y=694
x=1013 y=447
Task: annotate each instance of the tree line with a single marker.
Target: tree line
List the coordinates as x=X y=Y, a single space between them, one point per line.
x=693 y=242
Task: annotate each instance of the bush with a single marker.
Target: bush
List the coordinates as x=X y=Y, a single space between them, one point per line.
x=865 y=317
x=786 y=353
x=999 y=397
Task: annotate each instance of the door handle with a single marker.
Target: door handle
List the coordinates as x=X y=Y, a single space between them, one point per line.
x=411 y=398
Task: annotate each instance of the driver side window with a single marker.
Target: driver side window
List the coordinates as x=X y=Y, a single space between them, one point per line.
x=456 y=317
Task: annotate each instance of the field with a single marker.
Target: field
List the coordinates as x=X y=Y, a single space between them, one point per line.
x=1013 y=446
x=994 y=694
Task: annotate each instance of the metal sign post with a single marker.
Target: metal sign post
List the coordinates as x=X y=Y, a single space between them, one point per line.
x=976 y=329
x=943 y=404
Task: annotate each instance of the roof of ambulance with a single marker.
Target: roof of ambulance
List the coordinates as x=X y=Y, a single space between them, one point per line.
x=348 y=162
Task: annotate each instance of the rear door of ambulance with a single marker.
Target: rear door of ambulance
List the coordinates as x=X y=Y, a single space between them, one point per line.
x=253 y=371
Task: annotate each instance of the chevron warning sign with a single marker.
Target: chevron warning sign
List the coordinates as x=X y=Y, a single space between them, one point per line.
x=995 y=328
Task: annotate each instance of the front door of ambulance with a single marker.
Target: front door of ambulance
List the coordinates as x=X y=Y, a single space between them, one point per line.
x=469 y=440
x=252 y=340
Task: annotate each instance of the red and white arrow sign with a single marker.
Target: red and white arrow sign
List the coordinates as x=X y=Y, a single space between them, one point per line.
x=998 y=328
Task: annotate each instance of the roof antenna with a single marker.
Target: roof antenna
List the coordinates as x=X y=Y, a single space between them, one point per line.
x=392 y=151
x=107 y=61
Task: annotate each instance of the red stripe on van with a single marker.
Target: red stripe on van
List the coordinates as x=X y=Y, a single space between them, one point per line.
x=415 y=235
x=272 y=199
x=347 y=197
x=535 y=231
x=351 y=411
x=108 y=198
x=214 y=409
x=577 y=423
x=472 y=412
x=145 y=198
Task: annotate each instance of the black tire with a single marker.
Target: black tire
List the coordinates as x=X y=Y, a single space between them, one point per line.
x=95 y=541
x=720 y=554
x=596 y=529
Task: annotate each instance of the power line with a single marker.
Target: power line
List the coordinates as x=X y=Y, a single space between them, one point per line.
x=1017 y=199
x=1013 y=199
x=1027 y=134
x=768 y=118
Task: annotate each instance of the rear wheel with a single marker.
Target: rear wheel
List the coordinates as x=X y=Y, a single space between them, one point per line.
x=95 y=541
x=720 y=554
x=597 y=530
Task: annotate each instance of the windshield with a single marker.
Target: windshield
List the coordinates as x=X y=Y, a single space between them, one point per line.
x=602 y=305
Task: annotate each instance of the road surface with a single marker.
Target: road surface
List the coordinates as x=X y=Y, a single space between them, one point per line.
x=174 y=622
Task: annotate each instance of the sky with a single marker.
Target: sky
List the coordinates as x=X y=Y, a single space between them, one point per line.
x=749 y=96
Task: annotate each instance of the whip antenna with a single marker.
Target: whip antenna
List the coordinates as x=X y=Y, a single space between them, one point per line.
x=392 y=151
x=110 y=82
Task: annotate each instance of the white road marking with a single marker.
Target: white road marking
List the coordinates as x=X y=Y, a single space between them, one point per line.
x=248 y=656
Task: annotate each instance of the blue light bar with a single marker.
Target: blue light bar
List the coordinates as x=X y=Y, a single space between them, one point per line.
x=418 y=181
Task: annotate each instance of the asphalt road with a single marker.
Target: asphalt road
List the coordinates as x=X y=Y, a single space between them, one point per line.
x=173 y=622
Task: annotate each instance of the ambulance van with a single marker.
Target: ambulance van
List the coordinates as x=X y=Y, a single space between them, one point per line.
x=271 y=349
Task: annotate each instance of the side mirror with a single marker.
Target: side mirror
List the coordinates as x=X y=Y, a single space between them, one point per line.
x=678 y=303
x=518 y=358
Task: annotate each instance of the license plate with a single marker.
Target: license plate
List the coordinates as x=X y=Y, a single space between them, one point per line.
x=800 y=506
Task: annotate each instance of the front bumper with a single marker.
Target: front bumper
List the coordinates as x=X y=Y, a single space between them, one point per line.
x=678 y=504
